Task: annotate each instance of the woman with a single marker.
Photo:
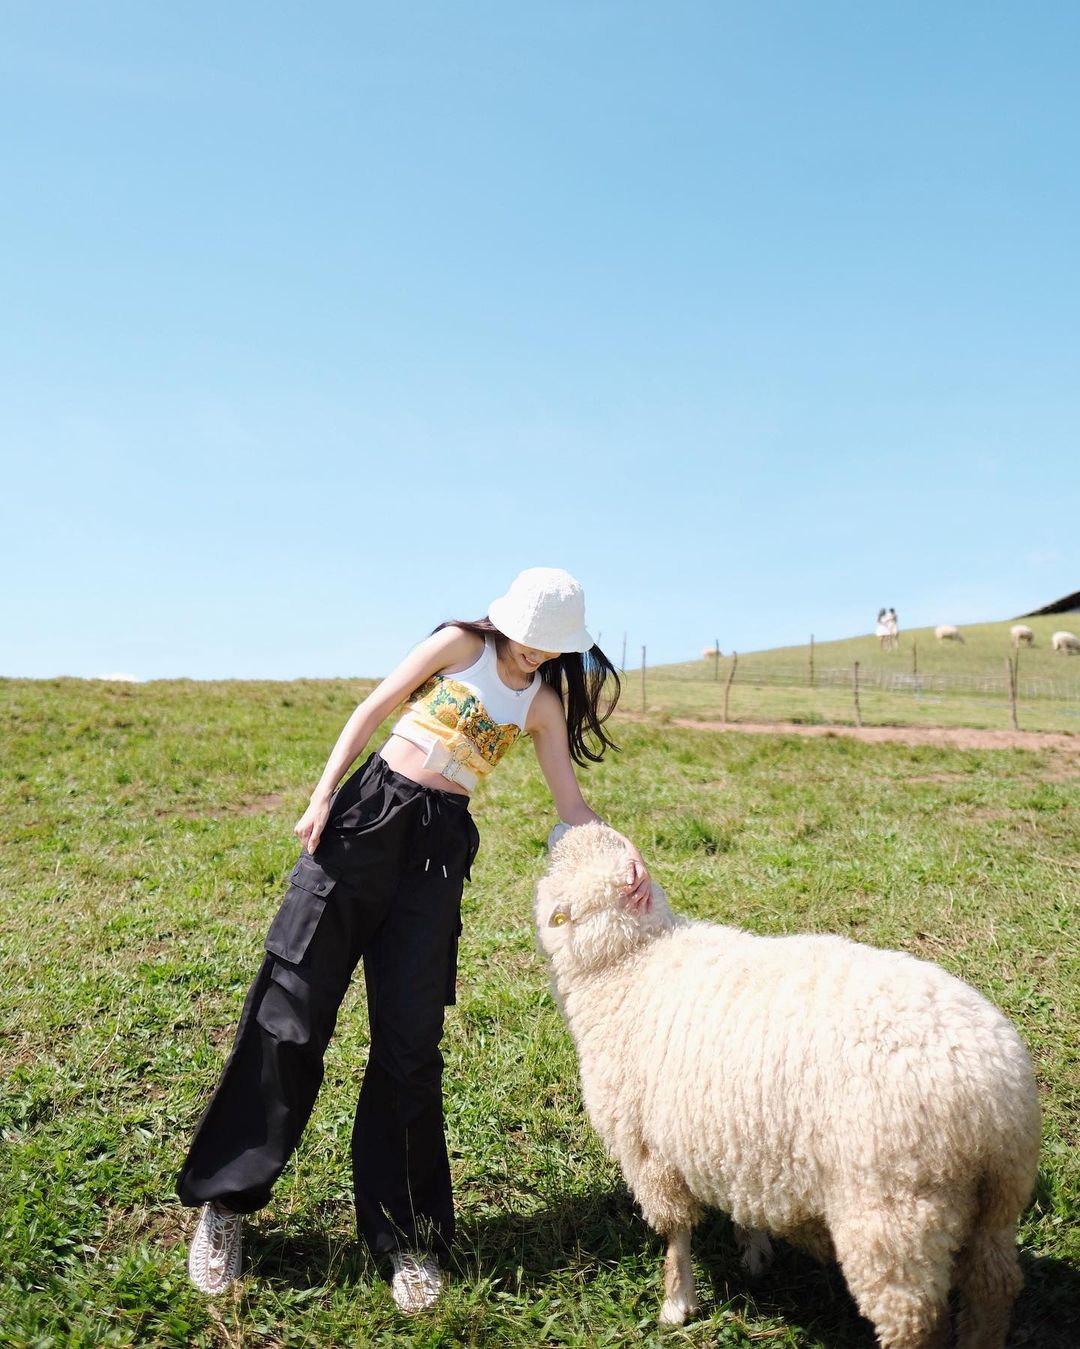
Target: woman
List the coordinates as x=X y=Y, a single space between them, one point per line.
x=380 y=877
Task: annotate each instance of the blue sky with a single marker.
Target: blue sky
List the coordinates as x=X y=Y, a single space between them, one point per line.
x=319 y=322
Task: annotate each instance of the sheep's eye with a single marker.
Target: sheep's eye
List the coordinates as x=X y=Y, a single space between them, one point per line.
x=559 y=917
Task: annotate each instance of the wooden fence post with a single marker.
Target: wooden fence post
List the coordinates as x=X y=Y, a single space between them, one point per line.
x=858 y=710
x=1012 y=666
x=643 y=679
x=716 y=659
x=731 y=676
x=811 y=660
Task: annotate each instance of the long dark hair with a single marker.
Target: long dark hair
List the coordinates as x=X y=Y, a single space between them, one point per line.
x=579 y=678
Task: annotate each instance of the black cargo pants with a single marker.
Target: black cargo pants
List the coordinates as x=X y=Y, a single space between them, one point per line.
x=384 y=884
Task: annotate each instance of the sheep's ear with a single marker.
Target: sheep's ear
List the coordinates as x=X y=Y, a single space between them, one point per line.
x=559 y=916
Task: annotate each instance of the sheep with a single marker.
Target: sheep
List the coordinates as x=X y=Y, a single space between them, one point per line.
x=946 y=632
x=1065 y=641
x=1021 y=635
x=711 y=653
x=860 y=1103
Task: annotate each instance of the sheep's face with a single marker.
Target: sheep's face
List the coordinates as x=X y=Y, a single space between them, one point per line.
x=581 y=918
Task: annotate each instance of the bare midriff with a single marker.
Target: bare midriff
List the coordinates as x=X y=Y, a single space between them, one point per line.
x=408 y=759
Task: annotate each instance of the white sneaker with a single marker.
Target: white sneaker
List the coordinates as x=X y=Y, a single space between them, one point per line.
x=214 y=1257
x=417 y=1282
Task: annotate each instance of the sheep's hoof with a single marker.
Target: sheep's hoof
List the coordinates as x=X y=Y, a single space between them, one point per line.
x=675 y=1311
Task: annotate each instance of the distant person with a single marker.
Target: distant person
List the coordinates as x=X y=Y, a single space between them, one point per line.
x=380 y=878
x=887 y=629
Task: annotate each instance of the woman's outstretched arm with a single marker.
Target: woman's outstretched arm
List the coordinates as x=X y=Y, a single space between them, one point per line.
x=547 y=726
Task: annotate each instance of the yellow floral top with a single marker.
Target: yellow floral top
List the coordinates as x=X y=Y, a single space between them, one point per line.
x=457 y=708
x=454 y=711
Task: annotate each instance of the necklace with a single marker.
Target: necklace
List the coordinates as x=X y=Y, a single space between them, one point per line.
x=506 y=685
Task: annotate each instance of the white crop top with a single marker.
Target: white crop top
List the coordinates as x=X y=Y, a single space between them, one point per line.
x=467 y=720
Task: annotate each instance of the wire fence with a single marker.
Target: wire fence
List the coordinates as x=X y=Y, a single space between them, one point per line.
x=749 y=688
x=894 y=681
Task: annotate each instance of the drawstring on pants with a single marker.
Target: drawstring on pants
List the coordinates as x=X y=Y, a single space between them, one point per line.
x=433 y=817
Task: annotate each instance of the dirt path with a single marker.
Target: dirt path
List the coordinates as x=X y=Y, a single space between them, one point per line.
x=956 y=737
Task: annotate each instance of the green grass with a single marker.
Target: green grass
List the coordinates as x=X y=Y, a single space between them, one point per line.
x=147 y=837
x=959 y=684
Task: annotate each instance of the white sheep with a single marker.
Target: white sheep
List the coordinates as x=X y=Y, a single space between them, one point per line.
x=860 y=1103
x=1067 y=642
x=1021 y=635
x=946 y=632
x=711 y=653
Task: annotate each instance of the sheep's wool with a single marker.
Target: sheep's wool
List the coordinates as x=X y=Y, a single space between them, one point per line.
x=853 y=1100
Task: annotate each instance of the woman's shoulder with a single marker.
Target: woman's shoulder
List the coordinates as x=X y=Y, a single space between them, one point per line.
x=546 y=709
x=458 y=648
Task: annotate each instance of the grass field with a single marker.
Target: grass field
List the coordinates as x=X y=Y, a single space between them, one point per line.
x=921 y=683
x=147 y=837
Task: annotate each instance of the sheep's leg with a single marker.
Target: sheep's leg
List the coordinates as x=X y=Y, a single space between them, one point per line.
x=897 y=1259
x=680 y=1299
x=988 y=1277
x=669 y=1207
x=755 y=1248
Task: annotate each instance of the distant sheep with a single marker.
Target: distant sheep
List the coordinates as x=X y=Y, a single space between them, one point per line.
x=710 y=653
x=945 y=632
x=865 y=1105
x=1067 y=642
x=1021 y=635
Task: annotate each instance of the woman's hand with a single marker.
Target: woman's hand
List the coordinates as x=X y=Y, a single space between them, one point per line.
x=638 y=889
x=308 y=828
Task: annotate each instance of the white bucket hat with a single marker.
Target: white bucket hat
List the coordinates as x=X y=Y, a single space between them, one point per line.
x=544 y=608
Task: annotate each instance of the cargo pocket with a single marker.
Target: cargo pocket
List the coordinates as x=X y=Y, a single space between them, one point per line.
x=287 y=1008
x=295 y=923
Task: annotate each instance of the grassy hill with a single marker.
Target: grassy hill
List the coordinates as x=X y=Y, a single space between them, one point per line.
x=985 y=646
x=146 y=842
x=922 y=682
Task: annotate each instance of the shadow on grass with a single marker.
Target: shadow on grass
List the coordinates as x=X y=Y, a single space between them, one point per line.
x=1047 y=1311
x=299 y=1258
x=580 y=1232
x=578 y=1235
